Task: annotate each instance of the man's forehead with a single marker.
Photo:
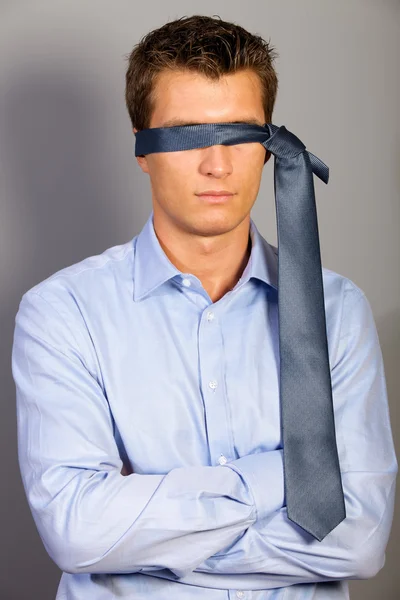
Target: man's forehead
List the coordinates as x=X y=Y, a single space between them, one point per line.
x=187 y=98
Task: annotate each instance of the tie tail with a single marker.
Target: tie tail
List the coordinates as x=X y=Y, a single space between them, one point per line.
x=320 y=169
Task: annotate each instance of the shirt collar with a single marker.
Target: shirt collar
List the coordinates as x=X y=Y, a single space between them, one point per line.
x=152 y=267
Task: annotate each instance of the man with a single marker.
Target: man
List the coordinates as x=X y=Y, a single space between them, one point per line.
x=147 y=377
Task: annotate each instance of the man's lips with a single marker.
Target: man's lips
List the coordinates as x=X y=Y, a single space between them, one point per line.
x=216 y=193
x=216 y=197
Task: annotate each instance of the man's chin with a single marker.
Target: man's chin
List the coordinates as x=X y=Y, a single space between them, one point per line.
x=218 y=223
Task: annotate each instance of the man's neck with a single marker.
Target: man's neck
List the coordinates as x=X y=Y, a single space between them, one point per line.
x=218 y=269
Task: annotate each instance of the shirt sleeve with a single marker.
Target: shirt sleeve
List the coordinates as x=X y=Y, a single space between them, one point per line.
x=355 y=549
x=90 y=516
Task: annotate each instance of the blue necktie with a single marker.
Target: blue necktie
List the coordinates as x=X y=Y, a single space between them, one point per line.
x=313 y=485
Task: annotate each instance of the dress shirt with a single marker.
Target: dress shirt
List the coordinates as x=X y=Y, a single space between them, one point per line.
x=150 y=438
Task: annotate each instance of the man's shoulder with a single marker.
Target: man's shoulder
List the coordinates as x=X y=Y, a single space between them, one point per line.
x=90 y=278
x=339 y=287
x=346 y=304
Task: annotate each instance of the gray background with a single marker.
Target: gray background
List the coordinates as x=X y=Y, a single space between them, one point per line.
x=70 y=186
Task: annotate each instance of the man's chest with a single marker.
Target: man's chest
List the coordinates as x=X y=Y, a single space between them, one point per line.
x=187 y=384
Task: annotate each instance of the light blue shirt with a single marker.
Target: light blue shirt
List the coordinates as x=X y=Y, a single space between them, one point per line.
x=150 y=438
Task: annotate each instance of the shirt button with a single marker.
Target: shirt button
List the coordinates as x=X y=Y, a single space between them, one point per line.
x=186 y=282
x=222 y=460
x=210 y=316
x=213 y=384
x=240 y=594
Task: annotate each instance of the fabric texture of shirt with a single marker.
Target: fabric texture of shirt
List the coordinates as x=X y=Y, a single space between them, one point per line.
x=149 y=432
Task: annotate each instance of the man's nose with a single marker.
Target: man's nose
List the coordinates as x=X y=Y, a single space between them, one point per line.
x=216 y=160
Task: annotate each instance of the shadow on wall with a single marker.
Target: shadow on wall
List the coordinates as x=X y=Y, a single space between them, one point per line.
x=60 y=160
x=66 y=197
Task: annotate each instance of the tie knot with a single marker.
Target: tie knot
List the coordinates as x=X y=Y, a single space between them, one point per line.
x=283 y=143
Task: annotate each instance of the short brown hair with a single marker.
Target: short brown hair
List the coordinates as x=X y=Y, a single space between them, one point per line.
x=201 y=44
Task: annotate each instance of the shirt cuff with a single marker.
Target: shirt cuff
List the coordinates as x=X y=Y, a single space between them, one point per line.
x=263 y=473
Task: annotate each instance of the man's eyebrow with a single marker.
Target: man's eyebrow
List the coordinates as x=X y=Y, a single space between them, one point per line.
x=180 y=122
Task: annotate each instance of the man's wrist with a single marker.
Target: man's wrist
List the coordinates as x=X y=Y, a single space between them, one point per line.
x=263 y=472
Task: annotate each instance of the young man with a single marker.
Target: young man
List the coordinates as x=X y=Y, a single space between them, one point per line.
x=147 y=377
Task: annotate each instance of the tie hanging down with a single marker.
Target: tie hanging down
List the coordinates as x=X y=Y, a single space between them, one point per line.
x=313 y=485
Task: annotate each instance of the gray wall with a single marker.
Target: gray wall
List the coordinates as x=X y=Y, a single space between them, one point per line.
x=70 y=186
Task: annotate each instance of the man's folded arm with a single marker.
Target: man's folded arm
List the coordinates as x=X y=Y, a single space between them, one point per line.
x=355 y=549
x=90 y=517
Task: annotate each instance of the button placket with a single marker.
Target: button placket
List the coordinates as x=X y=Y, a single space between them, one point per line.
x=211 y=369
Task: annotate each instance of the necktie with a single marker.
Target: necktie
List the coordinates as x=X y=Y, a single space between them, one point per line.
x=313 y=486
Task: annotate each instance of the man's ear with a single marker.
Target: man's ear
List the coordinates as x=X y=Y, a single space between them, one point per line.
x=142 y=160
